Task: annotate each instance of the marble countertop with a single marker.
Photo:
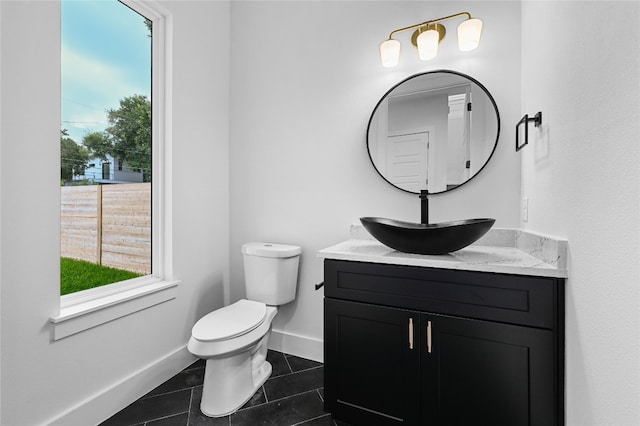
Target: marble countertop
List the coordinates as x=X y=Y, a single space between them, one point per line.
x=509 y=251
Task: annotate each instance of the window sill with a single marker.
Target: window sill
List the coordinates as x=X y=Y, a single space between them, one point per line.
x=79 y=312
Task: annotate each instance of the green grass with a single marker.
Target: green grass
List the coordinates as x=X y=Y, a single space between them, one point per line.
x=77 y=275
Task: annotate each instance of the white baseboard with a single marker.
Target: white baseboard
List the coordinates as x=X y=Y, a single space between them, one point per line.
x=294 y=344
x=102 y=405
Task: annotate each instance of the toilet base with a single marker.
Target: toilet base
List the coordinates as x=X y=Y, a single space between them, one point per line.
x=230 y=382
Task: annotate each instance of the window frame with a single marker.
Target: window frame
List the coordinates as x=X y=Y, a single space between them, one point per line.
x=89 y=308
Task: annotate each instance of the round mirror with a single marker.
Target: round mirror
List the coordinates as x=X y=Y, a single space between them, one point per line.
x=435 y=130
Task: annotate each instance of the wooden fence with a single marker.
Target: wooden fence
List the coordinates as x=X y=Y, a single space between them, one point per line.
x=108 y=224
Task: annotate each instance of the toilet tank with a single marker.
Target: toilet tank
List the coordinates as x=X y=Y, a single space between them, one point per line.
x=271 y=272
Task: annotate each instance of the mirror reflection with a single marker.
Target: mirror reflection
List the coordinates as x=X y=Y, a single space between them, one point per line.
x=434 y=131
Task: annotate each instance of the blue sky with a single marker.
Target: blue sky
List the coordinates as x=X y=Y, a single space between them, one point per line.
x=106 y=56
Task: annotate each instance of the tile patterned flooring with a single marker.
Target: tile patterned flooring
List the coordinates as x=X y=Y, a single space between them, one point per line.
x=293 y=396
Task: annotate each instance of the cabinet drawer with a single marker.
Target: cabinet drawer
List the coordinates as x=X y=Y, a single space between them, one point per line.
x=505 y=298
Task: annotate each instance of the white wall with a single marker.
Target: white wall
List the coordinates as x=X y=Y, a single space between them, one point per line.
x=43 y=380
x=305 y=77
x=580 y=67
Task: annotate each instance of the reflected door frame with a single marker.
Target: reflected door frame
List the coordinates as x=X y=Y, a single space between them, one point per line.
x=410 y=167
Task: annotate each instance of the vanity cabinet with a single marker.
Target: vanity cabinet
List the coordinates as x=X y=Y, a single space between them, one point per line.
x=423 y=346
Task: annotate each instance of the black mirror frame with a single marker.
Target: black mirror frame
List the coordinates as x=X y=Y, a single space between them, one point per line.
x=493 y=102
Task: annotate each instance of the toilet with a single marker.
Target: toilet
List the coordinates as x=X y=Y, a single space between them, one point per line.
x=233 y=339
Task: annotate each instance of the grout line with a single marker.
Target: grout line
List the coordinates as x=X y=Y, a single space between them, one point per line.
x=164 y=417
x=287 y=361
x=191 y=368
x=306 y=369
x=280 y=399
x=300 y=371
x=163 y=393
x=190 y=402
x=320 y=395
x=284 y=397
x=313 y=418
x=175 y=390
x=294 y=372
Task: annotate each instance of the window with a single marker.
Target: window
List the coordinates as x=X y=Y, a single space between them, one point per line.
x=106 y=116
x=111 y=156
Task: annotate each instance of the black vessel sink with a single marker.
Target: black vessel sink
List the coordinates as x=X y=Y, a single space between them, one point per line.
x=435 y=238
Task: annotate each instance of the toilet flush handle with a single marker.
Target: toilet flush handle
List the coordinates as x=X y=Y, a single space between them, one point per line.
x=320 y=285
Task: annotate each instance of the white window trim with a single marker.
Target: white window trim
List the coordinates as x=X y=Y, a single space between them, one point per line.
x=90 y=308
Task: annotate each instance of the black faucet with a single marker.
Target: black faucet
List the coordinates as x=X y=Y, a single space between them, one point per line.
x=424 y=206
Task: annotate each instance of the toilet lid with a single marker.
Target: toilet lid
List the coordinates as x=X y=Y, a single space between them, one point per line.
x=231 y=321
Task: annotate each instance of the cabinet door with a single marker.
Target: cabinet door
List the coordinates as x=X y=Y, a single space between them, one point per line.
x=485 y=373
x=371 y=364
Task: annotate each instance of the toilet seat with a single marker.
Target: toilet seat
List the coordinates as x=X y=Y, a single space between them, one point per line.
x=230 y=321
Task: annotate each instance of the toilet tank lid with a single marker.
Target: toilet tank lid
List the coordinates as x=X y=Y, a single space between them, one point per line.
x=270 y=250
x=230 y=321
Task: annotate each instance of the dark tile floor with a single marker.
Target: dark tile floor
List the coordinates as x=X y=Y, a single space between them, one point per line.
x=293 y=395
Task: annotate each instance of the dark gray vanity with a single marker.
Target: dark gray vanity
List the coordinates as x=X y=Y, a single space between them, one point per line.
x=471 y=338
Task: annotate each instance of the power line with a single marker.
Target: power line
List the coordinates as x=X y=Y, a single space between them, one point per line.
x=82 y=122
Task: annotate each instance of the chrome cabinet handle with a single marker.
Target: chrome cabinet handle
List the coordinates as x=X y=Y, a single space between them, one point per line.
x=429 y=336
x=410 y=333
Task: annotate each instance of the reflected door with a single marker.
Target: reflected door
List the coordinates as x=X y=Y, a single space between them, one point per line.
x=407 y=159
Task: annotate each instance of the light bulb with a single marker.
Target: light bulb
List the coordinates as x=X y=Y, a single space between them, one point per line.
x=428 y=44
x=469 y=34
x=390 y=53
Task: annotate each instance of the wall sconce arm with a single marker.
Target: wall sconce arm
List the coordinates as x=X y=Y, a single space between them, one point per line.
x=427 y=23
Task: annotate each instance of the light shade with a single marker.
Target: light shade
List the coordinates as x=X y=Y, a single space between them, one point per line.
x=469 y=34
x=428 y=44
x=390 y=53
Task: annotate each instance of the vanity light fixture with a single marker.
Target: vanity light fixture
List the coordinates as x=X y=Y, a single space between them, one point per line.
x=428 y=35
